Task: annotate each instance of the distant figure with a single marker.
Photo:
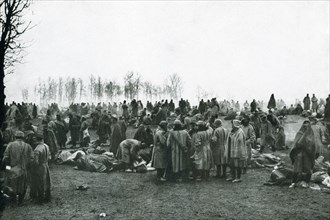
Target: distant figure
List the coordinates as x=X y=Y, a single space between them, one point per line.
x=116 y=135
x=34 y=111
x=272 y=102
x=253 y=105
x=60 y=131
x=267 y=135
x=307 y=103
x=327 y=109
x=104 y=128
x=280 y=139
x=125 y=111
x=74 y=126
x=314 y=103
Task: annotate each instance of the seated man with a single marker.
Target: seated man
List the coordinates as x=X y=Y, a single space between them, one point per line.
x=128 y=153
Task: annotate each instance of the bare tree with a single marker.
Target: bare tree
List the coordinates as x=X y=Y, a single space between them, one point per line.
x=132 y=85
x=174 y=86
x=201 y=93
x=98 y=89
x=71 y=89
x=81 y=88
x=91 y=86
x=60 y=90
x=52 y=89
x=109 y=90
x=12 y=28
x=117 y=90
x=42 y=90
x=147 y=89
x=35 y=91
x=25 y=94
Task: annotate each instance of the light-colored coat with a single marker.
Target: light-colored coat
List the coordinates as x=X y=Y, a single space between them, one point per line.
x=179 y=154
x=250 y=138
x=220 y=144
x=160 y=157
x=203 y=158
x=18 y=155
x=237 y=144
x=41 y=175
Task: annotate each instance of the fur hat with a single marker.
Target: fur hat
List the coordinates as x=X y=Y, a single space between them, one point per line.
x=19 y=134
x=217 y=122
x=163 y=124
x=177 y=122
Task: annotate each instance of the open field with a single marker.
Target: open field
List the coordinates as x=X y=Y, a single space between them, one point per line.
x=139 y=196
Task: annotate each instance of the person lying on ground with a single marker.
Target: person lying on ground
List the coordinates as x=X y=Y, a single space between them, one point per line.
x=95 y=162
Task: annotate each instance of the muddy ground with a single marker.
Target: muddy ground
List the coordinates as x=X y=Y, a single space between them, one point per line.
x=137 y=196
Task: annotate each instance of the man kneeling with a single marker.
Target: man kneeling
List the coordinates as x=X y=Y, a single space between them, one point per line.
x=128 y=153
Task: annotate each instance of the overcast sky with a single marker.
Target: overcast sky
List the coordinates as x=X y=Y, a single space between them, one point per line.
x=233 y=49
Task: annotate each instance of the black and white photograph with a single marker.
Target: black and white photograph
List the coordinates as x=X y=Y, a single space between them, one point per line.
x=207 y=109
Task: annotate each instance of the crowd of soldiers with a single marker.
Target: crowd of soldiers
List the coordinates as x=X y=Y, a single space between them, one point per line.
x=189 y=140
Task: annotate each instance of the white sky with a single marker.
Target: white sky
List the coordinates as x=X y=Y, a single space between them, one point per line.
x=235 y=49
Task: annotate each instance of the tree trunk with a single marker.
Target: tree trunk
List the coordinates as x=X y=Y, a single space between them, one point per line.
x=2 y=95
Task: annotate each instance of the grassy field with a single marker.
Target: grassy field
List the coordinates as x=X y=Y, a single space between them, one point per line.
x=140 y=196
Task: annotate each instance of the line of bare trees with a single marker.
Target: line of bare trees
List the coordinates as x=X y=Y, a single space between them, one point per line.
x=96 y=89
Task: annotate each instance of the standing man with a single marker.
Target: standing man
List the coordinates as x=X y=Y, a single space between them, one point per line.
x=74 y=126
x=60 y=131
x=267 y=135
x=237 y=152
x=253 y=105
x=116 y=135
x=250 y=138
x=104 y=128
x=160 y=157
x=41 y=177
x=203 y=158
x=18 y=156
x=307 y=103
x=178 y=141
x=314 y=103
x=220 y=144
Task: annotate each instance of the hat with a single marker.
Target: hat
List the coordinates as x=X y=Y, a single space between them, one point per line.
x=200 y=123
x=28 y=132
x=163 y=124
x=177 y=122
x=114 y=116
x=236 y=123
x=217 y=122
x=19 y=134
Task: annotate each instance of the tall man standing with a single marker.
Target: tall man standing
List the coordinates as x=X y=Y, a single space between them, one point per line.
x=18 y=156
x=41 y=177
